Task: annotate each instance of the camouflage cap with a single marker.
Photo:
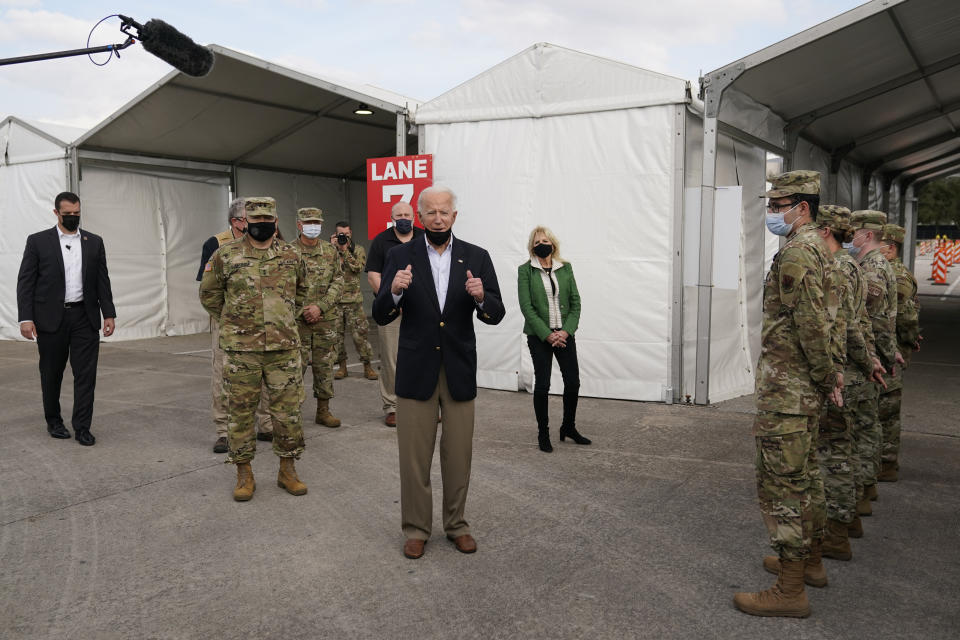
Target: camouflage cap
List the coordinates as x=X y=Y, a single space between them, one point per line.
x=893 y=233
x=309 y=213
x=834 y=216
x=868 y=219
x=260 y=206
x=794 y=183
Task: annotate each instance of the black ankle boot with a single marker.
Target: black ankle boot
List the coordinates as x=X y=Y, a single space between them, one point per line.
x=573 y=434
x=543 y=437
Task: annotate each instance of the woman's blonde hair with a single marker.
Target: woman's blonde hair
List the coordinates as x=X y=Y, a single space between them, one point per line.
x=552 y=238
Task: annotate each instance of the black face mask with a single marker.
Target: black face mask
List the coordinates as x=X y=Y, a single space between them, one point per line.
x=438 y=238
x=70 y=223
x=542 y=250
x=261 y=231
x=403 y=225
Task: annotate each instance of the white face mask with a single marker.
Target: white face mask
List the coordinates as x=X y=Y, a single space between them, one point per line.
x=311 y=230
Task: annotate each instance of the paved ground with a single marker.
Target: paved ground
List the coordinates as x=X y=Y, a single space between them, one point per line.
x=645 y=534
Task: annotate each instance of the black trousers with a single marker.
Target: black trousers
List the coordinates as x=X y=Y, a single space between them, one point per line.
x=542 y=355
x=77 y=340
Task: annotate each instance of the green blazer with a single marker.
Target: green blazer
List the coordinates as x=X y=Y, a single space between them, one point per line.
x=533 y=300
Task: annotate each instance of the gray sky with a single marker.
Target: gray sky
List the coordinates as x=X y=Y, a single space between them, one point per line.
x=417 y=48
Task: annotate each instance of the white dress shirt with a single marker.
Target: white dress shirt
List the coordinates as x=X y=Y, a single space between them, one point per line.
x=440 y=267
x=72 y=265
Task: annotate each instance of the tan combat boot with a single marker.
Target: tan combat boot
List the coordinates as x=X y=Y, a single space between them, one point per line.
x=324 y=416
x=864 y=508
x=341 y=373
x=245 y=483
x=871 y=493
x=287 y=478
x=814 y=573
x=836 y=544
x=888 y=472
x=787 y=598
x=368 y=372
x=855 y=528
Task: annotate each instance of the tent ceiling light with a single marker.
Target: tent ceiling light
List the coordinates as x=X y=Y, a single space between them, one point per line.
x=363 y=110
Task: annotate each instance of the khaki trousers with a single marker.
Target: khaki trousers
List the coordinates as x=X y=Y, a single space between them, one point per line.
x=416 y=437
x=219 y=406
x=389 y=344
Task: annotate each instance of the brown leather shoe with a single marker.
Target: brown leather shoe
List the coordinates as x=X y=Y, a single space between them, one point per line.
x=413 y=548
x=465 y=543
x=391 y=419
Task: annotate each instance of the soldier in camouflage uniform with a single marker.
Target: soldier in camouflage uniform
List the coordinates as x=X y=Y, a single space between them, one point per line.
x=256 y=286
x=799 y=367
x=908 y=341
x=320 y=323
x=881 y=282
x=354 y=319
x=835 y=451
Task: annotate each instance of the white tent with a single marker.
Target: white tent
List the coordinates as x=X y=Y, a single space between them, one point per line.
x=34 y=167
x=601 y=152
x=155 y=178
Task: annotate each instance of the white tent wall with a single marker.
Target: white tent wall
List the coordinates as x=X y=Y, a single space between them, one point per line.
x=26 y=206
x=33 y=169
x=735 y=313
x=614 y=227
x=153 y=223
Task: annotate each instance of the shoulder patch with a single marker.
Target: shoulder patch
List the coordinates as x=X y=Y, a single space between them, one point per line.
x=791 y=275
x=208 y=266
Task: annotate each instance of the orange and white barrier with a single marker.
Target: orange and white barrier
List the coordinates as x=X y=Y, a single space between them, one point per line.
x=939 y=274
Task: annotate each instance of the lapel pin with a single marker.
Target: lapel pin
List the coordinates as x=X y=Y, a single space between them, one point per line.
x=460 y=261
x=85 y=238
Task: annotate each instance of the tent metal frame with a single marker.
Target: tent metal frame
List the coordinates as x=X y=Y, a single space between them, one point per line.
x=903 y=180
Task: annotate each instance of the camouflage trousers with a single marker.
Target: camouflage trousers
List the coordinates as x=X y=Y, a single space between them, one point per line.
x=279 y=374
x=354 y=320
x=318 y=348
x=888 y=410
x=835 y=453
x=862 y=402
x=789 y=483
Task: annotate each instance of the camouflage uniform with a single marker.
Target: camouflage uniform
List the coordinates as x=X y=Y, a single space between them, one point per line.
x=318 y=341
x=257 y=295
x=796 y=369
x=836 y=449
x=908 y=335
x=881 y=309
x=354 y=318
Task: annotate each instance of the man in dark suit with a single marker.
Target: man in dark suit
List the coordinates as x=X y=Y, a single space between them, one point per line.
x=62 y=289
x=439 y=282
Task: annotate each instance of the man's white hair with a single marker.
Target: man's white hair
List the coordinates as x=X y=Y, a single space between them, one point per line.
x=436 y=189
x=236 y=209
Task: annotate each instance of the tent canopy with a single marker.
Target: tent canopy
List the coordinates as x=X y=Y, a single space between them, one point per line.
x=547 y=80
x=878 y=85
x=290 y=122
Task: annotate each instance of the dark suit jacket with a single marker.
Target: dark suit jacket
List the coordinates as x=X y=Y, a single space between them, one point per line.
x=429 y=338
x=41 y=284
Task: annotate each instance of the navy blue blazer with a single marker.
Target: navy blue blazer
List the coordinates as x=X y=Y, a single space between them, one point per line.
x=428 y=338
x=41 y=283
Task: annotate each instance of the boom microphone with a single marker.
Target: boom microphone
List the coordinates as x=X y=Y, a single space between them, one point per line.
x=173 y=47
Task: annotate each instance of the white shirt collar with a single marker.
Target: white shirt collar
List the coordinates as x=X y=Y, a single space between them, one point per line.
x=535 y=263
x=69 y=236
x=430 y=247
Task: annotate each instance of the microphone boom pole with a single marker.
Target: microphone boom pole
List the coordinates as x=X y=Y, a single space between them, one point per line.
x=112 y=48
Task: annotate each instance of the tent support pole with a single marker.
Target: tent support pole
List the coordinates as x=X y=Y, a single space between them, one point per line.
x=402 y=133
x=74 y=178
x=676 y=327
x=708 y=191
x=910 y=227
x=711 y=92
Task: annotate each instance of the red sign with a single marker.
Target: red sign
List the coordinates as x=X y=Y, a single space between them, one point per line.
x=390 y=180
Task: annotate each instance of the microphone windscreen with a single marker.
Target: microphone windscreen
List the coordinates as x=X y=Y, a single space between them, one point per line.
x=176 y=49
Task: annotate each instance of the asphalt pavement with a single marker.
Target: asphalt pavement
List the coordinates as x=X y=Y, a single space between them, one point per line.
x=647 y=533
